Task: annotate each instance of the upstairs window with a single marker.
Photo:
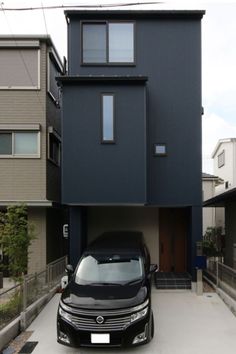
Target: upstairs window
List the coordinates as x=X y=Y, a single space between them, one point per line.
x=54 y=146
x=108 y=43
x=54 y=69
x=221 y=159
x=108 y=134
x=19 y=66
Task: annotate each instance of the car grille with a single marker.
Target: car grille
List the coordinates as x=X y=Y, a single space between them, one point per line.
x=110 y=324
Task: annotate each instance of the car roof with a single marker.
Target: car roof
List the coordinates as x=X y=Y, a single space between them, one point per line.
x=122 y=241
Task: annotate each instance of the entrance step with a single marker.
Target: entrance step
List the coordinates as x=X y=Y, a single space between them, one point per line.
x=172 y=280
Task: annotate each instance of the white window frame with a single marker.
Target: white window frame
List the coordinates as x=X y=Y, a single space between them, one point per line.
x=21 y=45
x=16 y=128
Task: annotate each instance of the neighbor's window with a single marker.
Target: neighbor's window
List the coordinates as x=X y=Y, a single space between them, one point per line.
x=5 y=143
x=19 y=68
x=19 y=144
x=221 y=159
x=54 y=70
x=108 y=118
x=54 y=147
x=108 y=42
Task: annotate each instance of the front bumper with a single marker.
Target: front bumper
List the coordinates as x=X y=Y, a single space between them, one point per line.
x=78 y=337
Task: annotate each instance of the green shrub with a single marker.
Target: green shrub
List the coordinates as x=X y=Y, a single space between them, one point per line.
x=15 y=237
x=10 y=309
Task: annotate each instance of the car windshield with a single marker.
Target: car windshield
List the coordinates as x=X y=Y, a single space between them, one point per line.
x=98 y=269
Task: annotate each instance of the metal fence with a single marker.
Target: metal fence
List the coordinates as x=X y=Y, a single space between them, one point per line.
x=15 y=300
x=223 y=276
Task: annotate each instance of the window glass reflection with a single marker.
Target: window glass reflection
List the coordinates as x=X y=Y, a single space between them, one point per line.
x=94 y=43
x=108 y=118
x=121 y=42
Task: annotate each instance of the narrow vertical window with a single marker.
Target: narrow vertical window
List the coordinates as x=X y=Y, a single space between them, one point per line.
x=108 y=118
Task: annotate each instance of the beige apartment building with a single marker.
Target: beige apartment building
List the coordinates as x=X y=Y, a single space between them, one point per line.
x=30 y=131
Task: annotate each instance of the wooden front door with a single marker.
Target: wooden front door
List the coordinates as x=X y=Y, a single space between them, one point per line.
x=173 y=239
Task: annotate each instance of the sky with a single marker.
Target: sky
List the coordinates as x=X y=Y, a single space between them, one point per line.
x=218 y=53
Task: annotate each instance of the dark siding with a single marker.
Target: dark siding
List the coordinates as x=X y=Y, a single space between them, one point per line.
x=168 y=51
x=56 y=243
x=230 y=231
x=104 y=173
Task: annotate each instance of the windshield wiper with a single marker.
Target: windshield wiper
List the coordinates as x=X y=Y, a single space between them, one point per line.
x=104 y=283
x=131 y=282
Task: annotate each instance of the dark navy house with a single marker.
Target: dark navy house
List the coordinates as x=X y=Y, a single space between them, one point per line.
x=131 y=130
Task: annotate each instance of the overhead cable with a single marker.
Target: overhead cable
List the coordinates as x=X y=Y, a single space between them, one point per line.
x=55 y=7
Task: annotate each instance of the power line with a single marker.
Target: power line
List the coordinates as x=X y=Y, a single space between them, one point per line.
x=55 y=7
x=44 y=18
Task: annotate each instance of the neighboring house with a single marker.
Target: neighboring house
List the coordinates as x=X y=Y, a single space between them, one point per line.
x=30 y=132
x=224 y=156
x=132 y=130
x=212 y=217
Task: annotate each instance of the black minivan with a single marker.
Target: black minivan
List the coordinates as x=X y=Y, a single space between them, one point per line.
x=107 y=301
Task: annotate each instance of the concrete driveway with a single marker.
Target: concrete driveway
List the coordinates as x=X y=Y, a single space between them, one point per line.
x=184 y=324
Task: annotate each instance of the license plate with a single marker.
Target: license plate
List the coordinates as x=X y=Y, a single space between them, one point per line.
x=101 y=338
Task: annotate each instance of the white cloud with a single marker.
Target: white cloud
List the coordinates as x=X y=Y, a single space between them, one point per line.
x=214 y=128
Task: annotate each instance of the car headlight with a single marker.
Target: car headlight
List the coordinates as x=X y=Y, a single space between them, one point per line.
x=64 y=315
x=137 y=315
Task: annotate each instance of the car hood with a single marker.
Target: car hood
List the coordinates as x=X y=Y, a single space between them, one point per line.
x=104 y=296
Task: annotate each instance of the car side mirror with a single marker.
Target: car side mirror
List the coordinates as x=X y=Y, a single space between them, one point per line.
x=69 y=270
x=153 y=268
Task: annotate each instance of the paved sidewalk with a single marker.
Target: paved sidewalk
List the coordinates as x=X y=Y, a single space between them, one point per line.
x=184 y=324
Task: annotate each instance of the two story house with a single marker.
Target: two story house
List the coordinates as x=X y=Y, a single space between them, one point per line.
x=212 y=217
x=30 y=139
x=131 y=130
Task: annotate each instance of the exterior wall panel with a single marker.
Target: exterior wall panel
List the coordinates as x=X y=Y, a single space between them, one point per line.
x=25 y=179
x=230 y=237
x=226 y=172
x=174 y=101
x=96 y=173
x=53 y=171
